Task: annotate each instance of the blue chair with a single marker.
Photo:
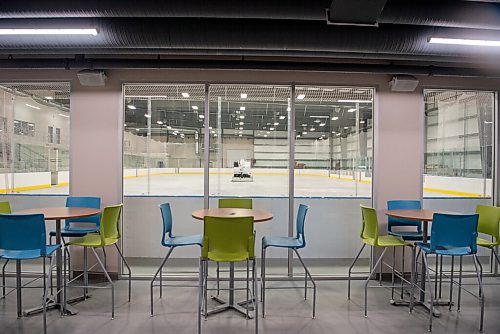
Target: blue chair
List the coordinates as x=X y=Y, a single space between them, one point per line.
x=452 y=235
x=22 y=237
x=294 y=243
x=170 y=241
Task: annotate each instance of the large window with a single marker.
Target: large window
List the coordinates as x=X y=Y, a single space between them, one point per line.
x=459 y=143
x=30 y=160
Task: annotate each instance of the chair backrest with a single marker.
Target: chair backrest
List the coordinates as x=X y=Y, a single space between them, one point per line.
x=301 y=218
x=403 y=205
x=166 y=216
x=239 y=203
x=454 y=231
x=489 y=218
x=23 y=232
x=369 y=230
x=228 y=235
x=110 y=222
x=84 y=202
x=5 y=207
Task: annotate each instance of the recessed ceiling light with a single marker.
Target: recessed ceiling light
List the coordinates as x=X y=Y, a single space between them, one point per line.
x=32 y=106
x=265 y=136
x=147 y=115
x=323 y=135
x=304 y=124
x=185 y=94
x=210 y=128
x=29 y=31
x=242 y=116
x=132 y=107
x=243 y=108
x=317 y=120
x=301 y=96
x=49 y=98
x=463 y=41
x=351 y=110
x=244 y=95
x=362 y=122
x=201 y=116
x=241 y=123
x=304 y=132
x=312 y=129
x=276 y=123
x=335 y=118
x=322 y=124
x=240 y=128
x=282 y=117
x=213 y=132
x=169 y=127
x=298 y=136
x=240 y=131
x=320 y=138
x=272 y=129
x=346 y=127
x=195 y=107
x=240 y=135
x=215 y=135
x=137 y=130
x=159 y=122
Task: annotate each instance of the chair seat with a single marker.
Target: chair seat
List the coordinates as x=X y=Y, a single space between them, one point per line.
x=184 y=241
x=27 y=254
x=75 y=231
x=407 y=235
x=486 y=243
x=452 y=251
x=228 y=257
x=284 y=242
x=386 y=241
x=92 y=240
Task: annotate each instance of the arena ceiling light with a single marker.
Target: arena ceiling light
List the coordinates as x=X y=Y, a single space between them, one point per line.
x=351 y=110
x=132 y=107
x=48 y=31
x=147 y=115
x=335 y=118
x=159 y=122
x=243 y=108
x=464 y=41
x=301 y=96
x=282 y=117
x=185 y=94
x=195 y=107
x=244 y=95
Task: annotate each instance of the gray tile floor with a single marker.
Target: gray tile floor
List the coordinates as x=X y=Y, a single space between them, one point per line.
x=287 y=312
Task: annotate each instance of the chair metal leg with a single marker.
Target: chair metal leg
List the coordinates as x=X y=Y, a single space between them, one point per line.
x=431 y=306
x=436 y=285
x=248 y=288
x=477 y=265
x=255 y=296
x=350 y=270
x=263 y=280
x=368 y=280
x=393 y=269
x=44 y=303
x=481 y=276
x=205 y=288
x=64 y=296
x=459 y=285
x=18 y=289
x=312 y=281
x=3 y=278
x=105 y=258
x=379 y=273
x=403 y=273
x=451 y=282
x=109 y=280
x=200 y=291
x=440 y=275
x=85 y=273
x=218 y=278
x=305 y=285
x=158 y=271
x=128 y=269
x=412 y=277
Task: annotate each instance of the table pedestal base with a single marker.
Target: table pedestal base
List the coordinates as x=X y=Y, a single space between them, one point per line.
x=225 y=306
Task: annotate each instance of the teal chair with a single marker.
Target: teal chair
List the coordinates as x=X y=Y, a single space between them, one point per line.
x=293 y=243
x=170 y=241
x=232 y=203
x=5 y=209
x=227 y=240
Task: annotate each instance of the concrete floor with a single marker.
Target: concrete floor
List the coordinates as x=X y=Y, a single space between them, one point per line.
x=287 y=312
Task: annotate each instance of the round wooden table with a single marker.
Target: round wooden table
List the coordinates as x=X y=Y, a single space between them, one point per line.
x=57 y=214
x=259 y=216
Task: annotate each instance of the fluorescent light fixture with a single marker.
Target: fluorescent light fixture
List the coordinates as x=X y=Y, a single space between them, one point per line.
x=322 y=124
x=244 y=95
x=49 y=31
x=317 y=121
x=335 y=118
x=351 y=110
x=49 y=98
x=323 y=135
x=272 y=129
x=265 y=136
x=185 y=94
x=282 y=117
x=195 y=107
x=147 y=115
x=240 y=131
x=243 y=108
x=488 y=122
x=210 y=128
x=276 y=123
x=169 y=127
x=463 y=41
x=213 y=132
x=132 y=107
x=304 y=132
x=137 y=129
x=241 y=123
x=301 y=96
x=346 y=127
x=31 y=106
x=355 y=101
x=215 y=135
x=67 y=116
x=159 y=122
x=201 y=116
x=362 y=122
x=298 y=136
x=242 y=116
x=240 y=135
x=312 y=129
x=240 y=128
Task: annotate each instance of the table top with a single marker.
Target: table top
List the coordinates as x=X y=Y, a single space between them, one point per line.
x=259 y=215
x=54 y=213
x=422 y=215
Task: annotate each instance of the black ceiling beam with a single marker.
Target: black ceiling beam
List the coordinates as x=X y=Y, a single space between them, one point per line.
x=355 y=12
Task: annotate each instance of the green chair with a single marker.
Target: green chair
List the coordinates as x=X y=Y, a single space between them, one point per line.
x=109 y=235
x=4 y=208
x=227 y=240
x=238 y=203
x=489 y=223
x=370 y=236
